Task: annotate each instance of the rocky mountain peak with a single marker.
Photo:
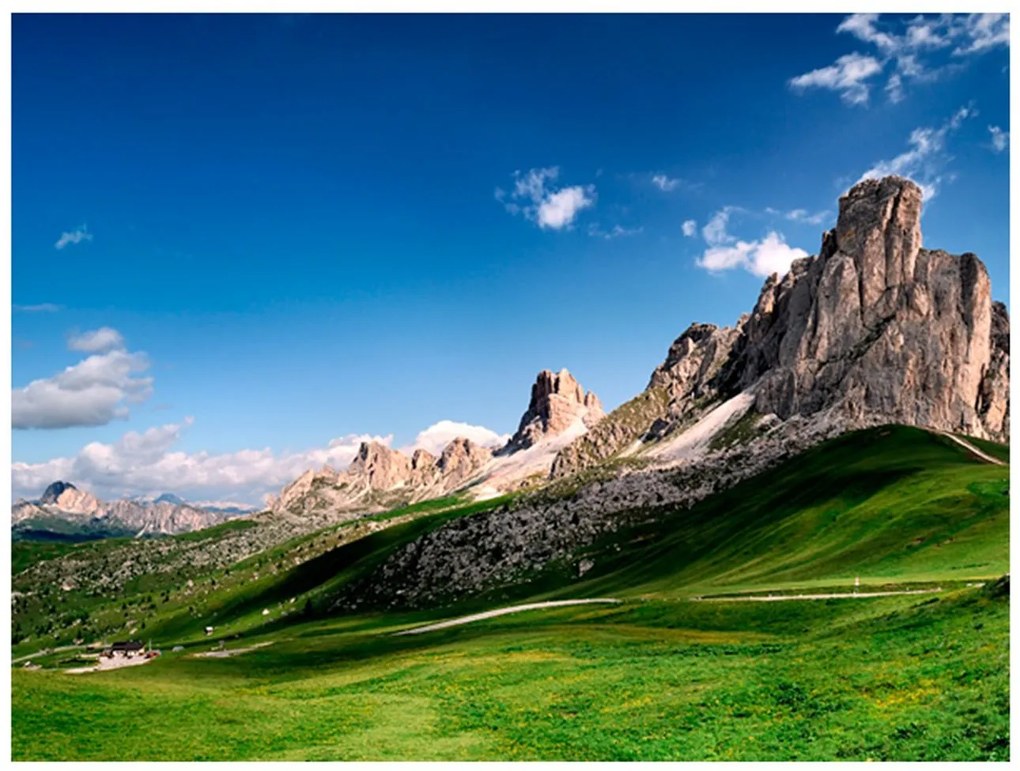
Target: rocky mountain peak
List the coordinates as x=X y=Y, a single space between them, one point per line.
x=875 y=328
x=53 y=491
x=381 y=467
x=558 y=401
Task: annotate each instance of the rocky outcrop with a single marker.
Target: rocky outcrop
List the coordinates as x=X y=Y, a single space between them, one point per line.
x=874 y=327
x=558 y=402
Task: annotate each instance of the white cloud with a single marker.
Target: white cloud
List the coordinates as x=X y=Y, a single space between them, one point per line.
x=92 y=392
x=1000 y=138
x=863 y=26
x=38 y=308
x=538 y=201
x=438 y=435
x=925 y=159
x=96 y=340
x=74 y=237
x=714 y=231
x=984 y=31
x=848 y=76
x=911 y=50
x=559 y=209
x=761 y=257
x=664 y=183
x=689 y=228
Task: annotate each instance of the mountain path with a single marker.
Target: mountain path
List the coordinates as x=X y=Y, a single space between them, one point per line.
x=972 y=449
x=832 y=596
x=502 y=612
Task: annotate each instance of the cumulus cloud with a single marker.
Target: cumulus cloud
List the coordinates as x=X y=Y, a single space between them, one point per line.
x=96 y=340
x=1000 y=138
x=559 y=209
x=913 y=50
x=148 y=463
x=438 y=435
x=534 y=196
x=93 y=392
x=73 y=237
x=925 y=158
x=762 y=257
x=689 y=228
x=664 y=183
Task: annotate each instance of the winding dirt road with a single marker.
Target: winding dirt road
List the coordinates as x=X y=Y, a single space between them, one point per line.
x=502 y=612
x=972 y=449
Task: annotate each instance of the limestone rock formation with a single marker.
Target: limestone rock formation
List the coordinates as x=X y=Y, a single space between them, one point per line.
x=875 y=327
x=557 y=403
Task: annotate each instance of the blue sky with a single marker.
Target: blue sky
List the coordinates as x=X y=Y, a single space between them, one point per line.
x=255 y=240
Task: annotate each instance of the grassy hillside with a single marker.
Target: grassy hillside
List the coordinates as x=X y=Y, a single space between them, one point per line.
x=663 y=675
x=887 y=505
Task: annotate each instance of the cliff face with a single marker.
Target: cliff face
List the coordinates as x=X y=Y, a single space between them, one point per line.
x=877 y=325
x=874 y=327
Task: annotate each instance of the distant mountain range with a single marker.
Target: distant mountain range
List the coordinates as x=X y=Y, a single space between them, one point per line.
x=63 y=512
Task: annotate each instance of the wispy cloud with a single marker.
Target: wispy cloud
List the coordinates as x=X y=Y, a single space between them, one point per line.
x=914 y=50
x=800 y=215
x=39 y=308
x=925 y=159
x=617 y=231
x=73 y=237
x=848 y=76
x=534 y=196
x=93 y=392
x=689 y=228
x=1000 y=138
x=664 y=183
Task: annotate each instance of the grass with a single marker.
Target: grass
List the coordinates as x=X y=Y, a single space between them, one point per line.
x=658 y=677
x=24 y=553
x=892 y=679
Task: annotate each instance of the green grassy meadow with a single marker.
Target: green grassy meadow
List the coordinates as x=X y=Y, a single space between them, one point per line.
x=664 y=675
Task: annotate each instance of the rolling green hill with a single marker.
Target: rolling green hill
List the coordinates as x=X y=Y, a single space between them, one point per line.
x=669 y=673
